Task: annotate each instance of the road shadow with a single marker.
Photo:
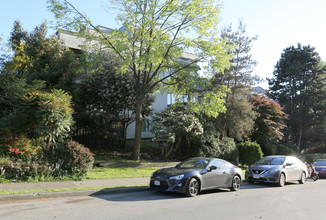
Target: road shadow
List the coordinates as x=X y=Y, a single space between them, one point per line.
x=146 y=195
x=151 y=195
x=140 y=194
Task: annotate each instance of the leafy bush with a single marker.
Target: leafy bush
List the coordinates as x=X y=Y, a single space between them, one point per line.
x=269 y=149
x=20 y=170
x=310 y=158
x=19 y=147
x=67 y=160
x=285 y=150
x=176 y=127
x=213 y=146
x=249 y=152
x=45 y=115
x=70 y=158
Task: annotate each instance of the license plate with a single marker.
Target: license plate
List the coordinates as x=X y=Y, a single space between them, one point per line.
x=157 y=183
x=256 y=176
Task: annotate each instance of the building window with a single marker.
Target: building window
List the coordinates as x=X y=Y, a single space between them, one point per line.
x=145 y=126
x=170 y=99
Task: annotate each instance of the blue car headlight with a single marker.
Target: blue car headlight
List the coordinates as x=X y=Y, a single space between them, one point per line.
x=179 y=177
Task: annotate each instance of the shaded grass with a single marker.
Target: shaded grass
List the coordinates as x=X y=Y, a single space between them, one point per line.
x=7 y=192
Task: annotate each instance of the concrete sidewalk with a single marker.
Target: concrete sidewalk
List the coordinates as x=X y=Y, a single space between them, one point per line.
x=113 y=186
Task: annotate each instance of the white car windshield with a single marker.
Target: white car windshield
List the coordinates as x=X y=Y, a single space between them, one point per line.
x=271 y=161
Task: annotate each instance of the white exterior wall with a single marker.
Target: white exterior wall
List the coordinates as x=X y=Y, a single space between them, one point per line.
x=70 y=40
x=159 y=104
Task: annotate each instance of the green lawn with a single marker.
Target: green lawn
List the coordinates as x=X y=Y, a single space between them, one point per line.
x=125 y=172
x=3 y=192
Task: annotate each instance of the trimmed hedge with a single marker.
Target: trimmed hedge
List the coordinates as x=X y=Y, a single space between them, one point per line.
x=249 y=152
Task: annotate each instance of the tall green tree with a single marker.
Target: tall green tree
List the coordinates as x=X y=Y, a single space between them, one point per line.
x=38 y=57
x=152 y=38
x=238 y=120
x=298 y=84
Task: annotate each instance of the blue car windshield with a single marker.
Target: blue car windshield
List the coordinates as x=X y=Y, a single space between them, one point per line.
x=194 y=163
x=271 y=161
x=320 y=163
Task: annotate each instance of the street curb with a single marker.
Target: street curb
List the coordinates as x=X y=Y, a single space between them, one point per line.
x=47 y=195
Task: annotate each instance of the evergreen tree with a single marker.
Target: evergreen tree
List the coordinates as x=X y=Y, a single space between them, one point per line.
x=298 y=84
x=238 y=120
x=38 y=57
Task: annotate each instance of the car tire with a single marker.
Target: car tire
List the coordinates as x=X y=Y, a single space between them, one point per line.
x=282 y=179
x=192 y=188
x=303 y=178
x=236 y=182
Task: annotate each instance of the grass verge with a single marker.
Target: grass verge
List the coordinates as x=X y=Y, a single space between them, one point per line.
x=126 y=172
x=7 y=192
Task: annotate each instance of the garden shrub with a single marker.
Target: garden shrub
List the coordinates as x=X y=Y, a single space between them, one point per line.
x=45 y=115
x=20 y=170
x=285 y=150
x=71 y=158
x=67 y=160
x=269 y=149
x=213 y=146
x=249 y=152
x=19 y=147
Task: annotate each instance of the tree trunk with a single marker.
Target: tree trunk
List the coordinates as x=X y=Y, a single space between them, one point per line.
x=138 y=127
x=299 y=140
x=124 y=141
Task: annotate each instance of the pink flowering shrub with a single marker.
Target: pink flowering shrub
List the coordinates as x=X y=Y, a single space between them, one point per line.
x=19 y=147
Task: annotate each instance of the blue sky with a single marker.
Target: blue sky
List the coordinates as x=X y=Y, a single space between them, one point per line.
x=278 y=23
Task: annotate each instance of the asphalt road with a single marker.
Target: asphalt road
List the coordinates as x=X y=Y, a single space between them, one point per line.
x=259 y=201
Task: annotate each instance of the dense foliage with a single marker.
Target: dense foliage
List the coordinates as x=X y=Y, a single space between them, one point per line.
x=238 y=120
x=249 y=152
x=270 y=122
x=153 y=40
x=298 y=83
x=108 y=102
x=174 y=126
x=212 y=146
x=70 y=158
x=36 y=112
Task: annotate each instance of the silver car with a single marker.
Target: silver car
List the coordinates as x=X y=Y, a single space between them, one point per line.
x=277 y=169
